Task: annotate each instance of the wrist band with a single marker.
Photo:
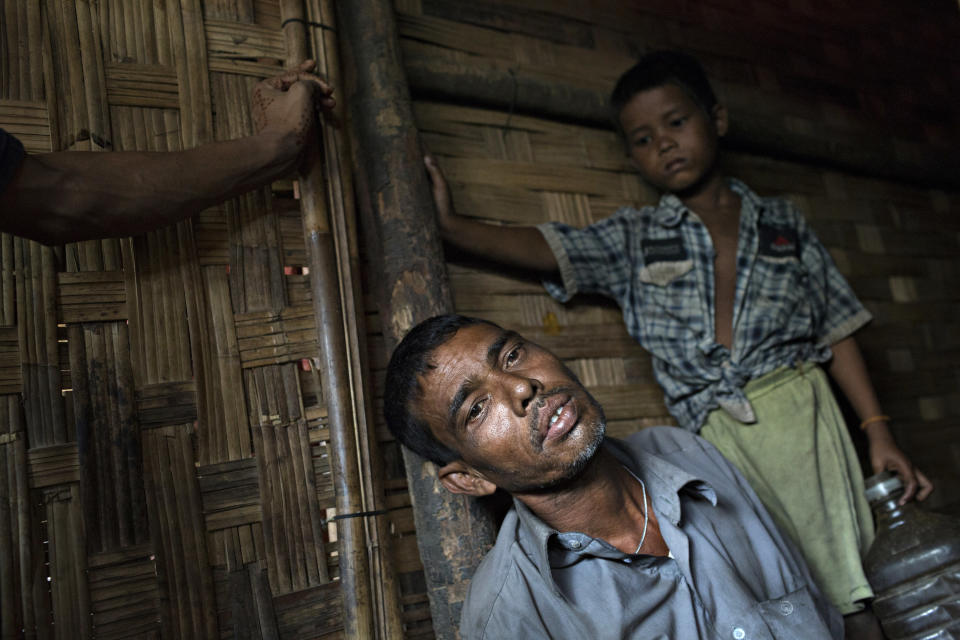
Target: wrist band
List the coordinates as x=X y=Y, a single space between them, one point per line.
x=873 y=419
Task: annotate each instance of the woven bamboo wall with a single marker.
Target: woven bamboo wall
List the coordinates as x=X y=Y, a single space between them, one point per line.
x=848 y=114
x=164 y=458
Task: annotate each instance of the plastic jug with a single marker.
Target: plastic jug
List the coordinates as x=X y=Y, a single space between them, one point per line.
x=913 y=566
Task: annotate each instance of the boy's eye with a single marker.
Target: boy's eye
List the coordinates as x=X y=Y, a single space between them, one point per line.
x=641 y=141
x=678 y=122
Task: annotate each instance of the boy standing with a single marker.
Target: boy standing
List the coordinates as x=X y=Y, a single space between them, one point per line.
x=738 y=303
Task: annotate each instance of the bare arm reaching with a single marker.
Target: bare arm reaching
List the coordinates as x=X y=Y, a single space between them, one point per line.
x=69 y=196
x=522 y=247
x=850 y=372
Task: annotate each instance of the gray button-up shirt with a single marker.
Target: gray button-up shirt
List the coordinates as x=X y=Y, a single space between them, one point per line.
x=731 y=574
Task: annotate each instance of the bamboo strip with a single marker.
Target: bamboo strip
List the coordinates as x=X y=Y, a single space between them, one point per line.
x=11 y=377
x=102 y=434
x=54 y=465
x=263 y=603
x=19 y=484
x=294 y=542
x=8 y=294
x=8 y=585
x=236 y=40
x=47 y=64
x=316 y=556
x=126 y=466
x=95 y=94
x=14 y=606
x=70 y=598
x=202 y=597
x=167 y=531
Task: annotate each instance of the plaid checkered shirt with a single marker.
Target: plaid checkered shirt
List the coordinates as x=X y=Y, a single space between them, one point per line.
x=791 y=303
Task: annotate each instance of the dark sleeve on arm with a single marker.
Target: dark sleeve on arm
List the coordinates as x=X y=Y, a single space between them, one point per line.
x=11 y=155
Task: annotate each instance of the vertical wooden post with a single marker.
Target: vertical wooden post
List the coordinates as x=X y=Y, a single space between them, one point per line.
x=328 y=310
x=453 y=533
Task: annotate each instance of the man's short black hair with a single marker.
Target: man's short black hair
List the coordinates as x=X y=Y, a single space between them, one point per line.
x=411 y=359
x=659 y=68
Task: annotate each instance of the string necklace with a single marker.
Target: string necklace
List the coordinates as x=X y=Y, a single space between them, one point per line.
x=643 y=489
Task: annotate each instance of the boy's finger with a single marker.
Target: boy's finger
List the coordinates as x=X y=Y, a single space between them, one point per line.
x=925 y=486
x=910 y=485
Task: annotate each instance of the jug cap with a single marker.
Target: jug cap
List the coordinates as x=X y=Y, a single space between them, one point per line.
x=882 y=486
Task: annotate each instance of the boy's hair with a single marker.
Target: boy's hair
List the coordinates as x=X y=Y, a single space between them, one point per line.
x=658 y=68
x=411 y=359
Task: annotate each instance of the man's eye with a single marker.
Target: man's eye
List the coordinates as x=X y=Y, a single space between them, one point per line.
x=475 y=411
x=514 y=355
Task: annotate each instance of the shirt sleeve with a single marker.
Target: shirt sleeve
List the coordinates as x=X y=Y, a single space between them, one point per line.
x=11 y=155
x=838 y=312
x=595 y=259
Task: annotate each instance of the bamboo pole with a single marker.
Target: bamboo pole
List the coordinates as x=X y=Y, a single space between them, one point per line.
x=354 y=568
x=453 y=533
x=322 y=19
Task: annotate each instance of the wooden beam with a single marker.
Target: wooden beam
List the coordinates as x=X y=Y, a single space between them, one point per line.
x=453 y=533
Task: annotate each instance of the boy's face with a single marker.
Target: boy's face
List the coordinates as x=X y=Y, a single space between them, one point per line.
x=518 y=417
x=672 y=140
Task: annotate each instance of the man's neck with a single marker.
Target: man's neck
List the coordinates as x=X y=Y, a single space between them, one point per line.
x=605 y=501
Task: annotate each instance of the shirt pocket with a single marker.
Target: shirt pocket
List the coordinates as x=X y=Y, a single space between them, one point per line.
x=781 y=295
x=664 y=272
x=795 y=615
x=669 y=290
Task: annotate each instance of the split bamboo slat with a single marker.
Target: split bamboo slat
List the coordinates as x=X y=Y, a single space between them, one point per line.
x=173 y=457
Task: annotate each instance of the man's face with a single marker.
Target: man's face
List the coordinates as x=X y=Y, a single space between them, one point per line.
x=511 y=409
x=672 y=140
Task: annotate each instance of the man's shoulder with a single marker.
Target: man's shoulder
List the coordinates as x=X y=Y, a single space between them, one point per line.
x=491 y=587
x=664 y=439
x=681 y=448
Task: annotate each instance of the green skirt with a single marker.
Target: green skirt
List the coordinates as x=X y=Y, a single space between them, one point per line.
x=800 y=460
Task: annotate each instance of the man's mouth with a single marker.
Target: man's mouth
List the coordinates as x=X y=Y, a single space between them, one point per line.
x=557 y=418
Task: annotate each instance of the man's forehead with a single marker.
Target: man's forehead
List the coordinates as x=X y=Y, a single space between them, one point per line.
x=453 y=365
x=469 y=347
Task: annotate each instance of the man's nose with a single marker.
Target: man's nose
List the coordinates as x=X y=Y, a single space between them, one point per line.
x=521 y=390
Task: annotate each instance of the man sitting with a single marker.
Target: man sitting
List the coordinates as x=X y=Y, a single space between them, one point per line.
x=657 y=536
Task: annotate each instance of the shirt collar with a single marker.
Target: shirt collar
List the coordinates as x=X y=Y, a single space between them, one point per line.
x=664 y=482
x=670 y=210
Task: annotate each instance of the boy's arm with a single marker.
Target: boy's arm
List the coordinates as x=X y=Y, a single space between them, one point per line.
x=522 y=246
x=850 y=372
x=69 y=196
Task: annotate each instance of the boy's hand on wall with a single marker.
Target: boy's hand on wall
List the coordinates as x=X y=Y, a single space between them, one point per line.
x=441 y=194
x=886 y=456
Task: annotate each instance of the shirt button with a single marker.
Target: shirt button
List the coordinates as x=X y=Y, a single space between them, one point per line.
x=739 y=634
x=786 y=607
x=576 y=544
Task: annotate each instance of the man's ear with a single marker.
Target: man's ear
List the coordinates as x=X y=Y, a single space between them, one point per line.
x=721 y=119
x=459 y=477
